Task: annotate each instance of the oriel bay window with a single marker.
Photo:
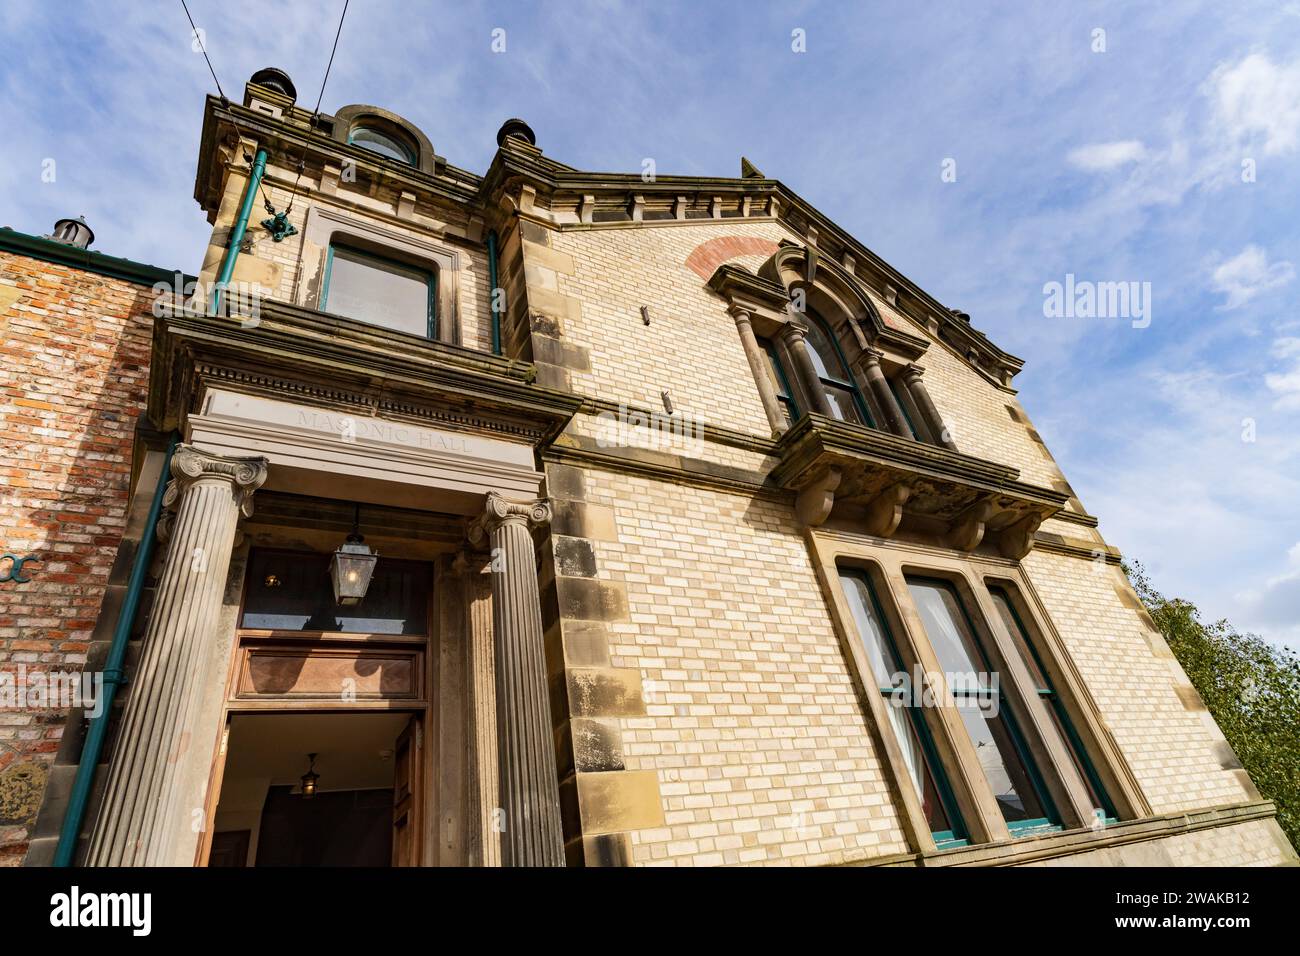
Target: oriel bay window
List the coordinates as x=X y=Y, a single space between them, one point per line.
x=906 y=721
x=371 y=288
x=991 y=720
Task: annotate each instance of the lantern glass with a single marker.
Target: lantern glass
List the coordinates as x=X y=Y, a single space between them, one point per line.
x=350 y=570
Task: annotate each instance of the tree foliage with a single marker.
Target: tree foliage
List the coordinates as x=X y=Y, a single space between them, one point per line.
x=1252 y=690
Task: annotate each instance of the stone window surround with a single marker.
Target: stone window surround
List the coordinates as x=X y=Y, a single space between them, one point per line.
x=763 y=308
x=886 y=564
x=325 y=225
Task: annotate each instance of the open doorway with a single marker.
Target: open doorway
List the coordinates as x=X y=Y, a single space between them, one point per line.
x=362 y=813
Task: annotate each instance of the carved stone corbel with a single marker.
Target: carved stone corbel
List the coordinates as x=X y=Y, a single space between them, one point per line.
x=813 y=506
x=886 y=510
x=1016 y=540
x=968 y=529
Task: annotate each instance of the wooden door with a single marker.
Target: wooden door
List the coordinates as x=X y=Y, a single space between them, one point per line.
x=407 y=773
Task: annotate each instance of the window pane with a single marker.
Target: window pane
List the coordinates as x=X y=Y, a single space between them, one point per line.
x=291 y=591
x=945 y=625
x=1019 y=638
x=1060 y=718
x=918 y=769
x=883 y=662
x=374 y=290
x=1002 y=766
x=822 y=353
x=902 y=406
x=774 y=372
x=380 y=143
x=842 y=405
x=994 y=736
x=870 y=629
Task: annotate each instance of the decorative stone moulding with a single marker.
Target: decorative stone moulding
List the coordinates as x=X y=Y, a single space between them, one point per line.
x=880 y=483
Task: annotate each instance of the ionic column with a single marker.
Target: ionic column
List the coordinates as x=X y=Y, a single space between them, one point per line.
x=483 y=796
x=529 y=786
x=916 y=388
x=758 y=364
x=793 y=337
x=145 y=819
x=869 y=363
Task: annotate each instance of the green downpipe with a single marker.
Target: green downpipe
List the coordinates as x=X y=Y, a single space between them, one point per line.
x=241 y=226
x=492 y=282
x=98 y=729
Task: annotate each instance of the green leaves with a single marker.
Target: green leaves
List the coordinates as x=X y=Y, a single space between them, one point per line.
x=1252 y=690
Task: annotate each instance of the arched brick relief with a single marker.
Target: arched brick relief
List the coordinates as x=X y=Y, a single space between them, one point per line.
x=707 y=256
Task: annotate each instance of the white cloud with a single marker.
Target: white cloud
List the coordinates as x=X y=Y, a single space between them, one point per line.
x=1286 y=384
x=1258 y=101
x=1099 y=157
x=1275 y=608
x=1248 y=274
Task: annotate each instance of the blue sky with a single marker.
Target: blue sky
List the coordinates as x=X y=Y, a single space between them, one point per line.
x=1122 y=165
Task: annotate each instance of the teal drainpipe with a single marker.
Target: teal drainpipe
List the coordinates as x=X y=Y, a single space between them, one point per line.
x=98 y=729
x=492 y=282
x=241 y=226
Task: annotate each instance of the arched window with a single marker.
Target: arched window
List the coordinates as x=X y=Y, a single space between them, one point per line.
x=845 y=400
x=377 y=141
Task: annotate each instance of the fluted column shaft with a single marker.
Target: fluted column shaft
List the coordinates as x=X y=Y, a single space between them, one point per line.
x=529 y=786
x=484 y=794
x=793 y=336
x=146 y=817
x=921 y=395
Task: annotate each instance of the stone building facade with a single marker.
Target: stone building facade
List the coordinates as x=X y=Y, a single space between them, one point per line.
x=704 y=537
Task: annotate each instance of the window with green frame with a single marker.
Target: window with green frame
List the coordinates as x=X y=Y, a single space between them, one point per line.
x=907 y=723
x=1004 y=756
x=381 y=143
x=1024 y=644
x=892 y=382
x=845 y=399
x=381 y=291
x=780 y=382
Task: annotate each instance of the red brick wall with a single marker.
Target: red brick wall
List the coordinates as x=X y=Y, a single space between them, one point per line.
x=74 y=369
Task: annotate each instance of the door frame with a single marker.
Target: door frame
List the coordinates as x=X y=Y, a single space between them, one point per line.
x=421 y=708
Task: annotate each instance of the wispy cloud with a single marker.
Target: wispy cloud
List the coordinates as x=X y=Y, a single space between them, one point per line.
x=1099 y=157
x=1249 y=274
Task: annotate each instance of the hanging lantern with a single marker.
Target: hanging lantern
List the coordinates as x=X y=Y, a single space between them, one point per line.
x=351 y=567
x=309 y=779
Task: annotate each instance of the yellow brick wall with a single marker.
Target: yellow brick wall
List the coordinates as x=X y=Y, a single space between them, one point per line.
x=1168 y=747
x=752 y=723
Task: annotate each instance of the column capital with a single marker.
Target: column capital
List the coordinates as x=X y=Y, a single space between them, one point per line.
x=190 y=466
x=794 y=328
x=501 y=510
x=740 y=314
x=870 y=355
x=912 y=373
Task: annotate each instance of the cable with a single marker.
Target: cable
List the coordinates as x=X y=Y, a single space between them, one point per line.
x=302 y=163
x=266 y=200
x=204 y=50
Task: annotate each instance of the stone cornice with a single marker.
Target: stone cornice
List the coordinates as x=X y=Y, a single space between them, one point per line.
x=511 y=168
x=884 y=479
x=516 y=164
x=291 y=351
